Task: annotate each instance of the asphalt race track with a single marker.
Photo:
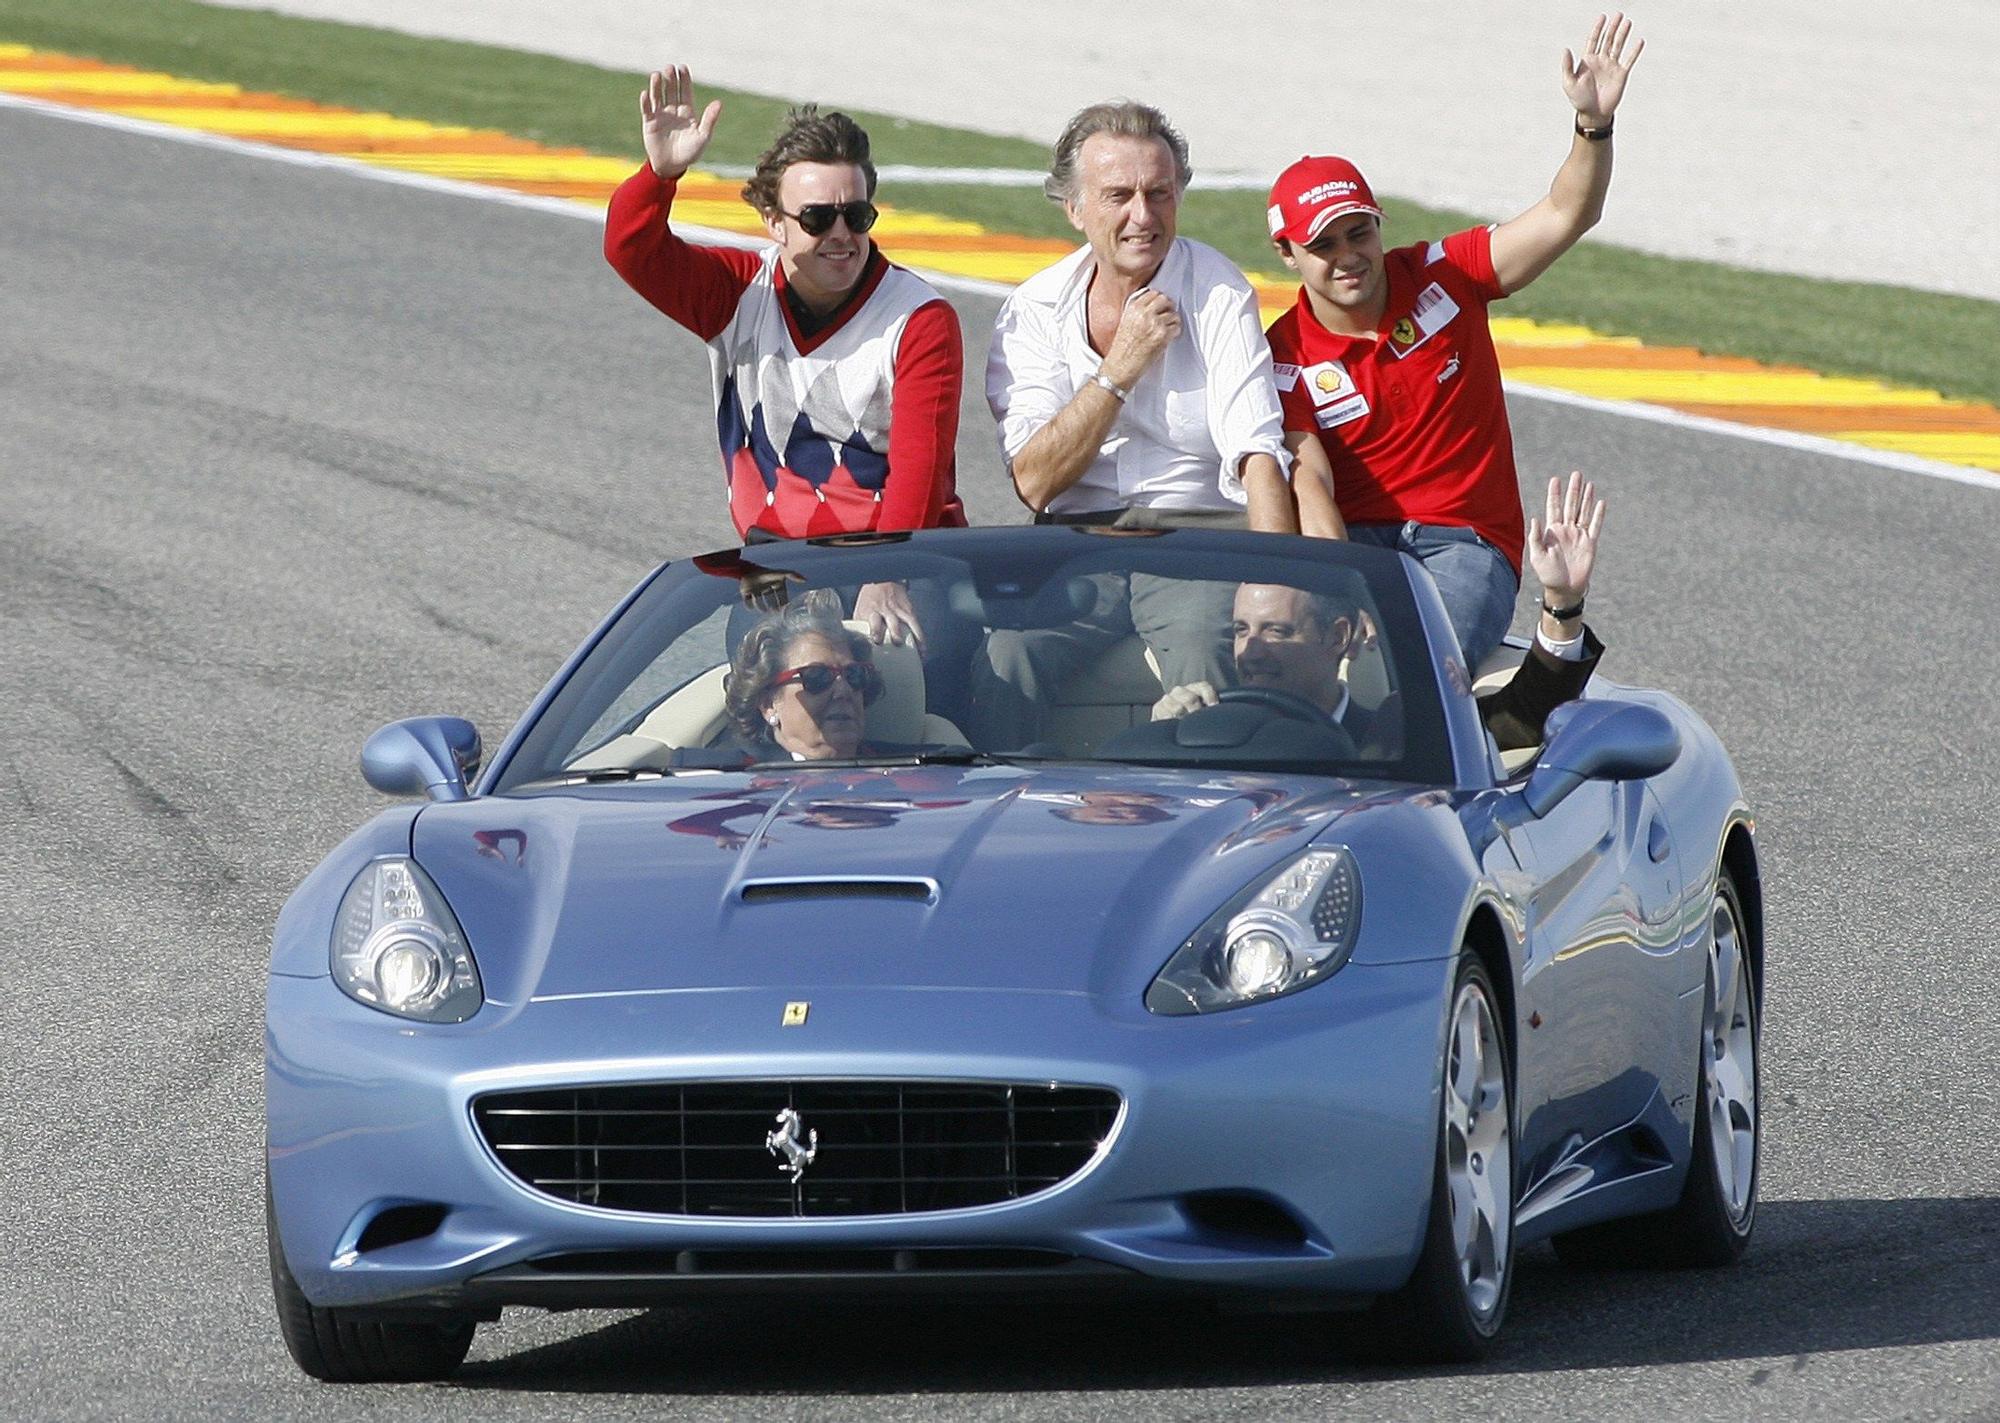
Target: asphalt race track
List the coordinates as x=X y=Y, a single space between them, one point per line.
x=285 y=454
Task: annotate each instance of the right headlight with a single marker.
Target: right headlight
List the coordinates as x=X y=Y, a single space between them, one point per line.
x=1284 y=933
x=397 y=947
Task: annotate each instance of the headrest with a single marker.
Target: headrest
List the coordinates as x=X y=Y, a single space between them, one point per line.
x=898 y=714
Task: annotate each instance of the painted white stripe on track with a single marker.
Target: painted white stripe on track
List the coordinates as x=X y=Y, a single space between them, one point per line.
x=1014 y=177
x=569 y=207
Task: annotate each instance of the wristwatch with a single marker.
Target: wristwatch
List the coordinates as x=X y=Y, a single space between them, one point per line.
x=1593 y=135
x=1563 y=615
x=1100 y=378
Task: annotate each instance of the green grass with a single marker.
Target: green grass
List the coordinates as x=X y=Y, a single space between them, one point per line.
x=1950 y=344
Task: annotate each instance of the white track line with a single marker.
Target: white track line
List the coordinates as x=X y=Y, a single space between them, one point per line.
x=1013 y=177
x=565 y=207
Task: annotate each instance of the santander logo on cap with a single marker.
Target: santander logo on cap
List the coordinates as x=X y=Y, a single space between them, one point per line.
x=1312 y=193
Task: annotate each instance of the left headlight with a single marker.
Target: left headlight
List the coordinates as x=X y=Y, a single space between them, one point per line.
x=397 y=947
x=1284 y=933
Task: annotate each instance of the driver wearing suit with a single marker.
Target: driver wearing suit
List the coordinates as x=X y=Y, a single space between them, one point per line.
x=1292 y=643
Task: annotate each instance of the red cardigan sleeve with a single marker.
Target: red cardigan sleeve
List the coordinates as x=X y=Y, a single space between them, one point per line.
x=923 y=422
x=697 y=286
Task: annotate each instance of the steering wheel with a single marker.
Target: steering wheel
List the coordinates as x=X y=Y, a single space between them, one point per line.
x=1270 y=698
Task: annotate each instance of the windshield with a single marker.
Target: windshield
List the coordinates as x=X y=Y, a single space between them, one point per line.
x=1209 y=650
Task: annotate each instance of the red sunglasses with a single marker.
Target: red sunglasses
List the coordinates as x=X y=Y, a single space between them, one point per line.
x=817 y=678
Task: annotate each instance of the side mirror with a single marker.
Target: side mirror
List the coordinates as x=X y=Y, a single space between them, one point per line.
x=430 y=756
x=1599 y=741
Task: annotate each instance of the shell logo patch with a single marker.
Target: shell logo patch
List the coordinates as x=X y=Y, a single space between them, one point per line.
x=1336 y=399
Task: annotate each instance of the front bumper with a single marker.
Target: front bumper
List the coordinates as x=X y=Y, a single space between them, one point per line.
x=1320 y=1107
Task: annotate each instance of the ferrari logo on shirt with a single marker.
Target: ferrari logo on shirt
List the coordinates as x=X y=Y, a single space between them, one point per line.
x=1432 y=313
x=1336 y=399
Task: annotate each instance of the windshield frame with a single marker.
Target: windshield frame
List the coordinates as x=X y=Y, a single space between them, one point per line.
x=1023 y=556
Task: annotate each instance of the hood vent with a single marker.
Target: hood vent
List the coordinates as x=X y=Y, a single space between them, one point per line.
x=915 y=888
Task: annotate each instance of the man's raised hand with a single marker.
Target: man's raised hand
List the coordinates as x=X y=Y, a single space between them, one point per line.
x=674 y=137
x=1562 y=547
x=1596 y=82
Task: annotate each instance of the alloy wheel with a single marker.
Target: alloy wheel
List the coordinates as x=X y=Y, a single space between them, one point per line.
x=1729 y=1065
x=1478 y=1151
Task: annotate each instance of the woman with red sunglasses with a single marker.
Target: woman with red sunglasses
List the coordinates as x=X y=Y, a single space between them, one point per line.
x=800 y=686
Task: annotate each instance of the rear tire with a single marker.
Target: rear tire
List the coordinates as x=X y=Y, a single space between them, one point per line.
x=338 y=1347
x=1711 y=1222
x=1452 y=1308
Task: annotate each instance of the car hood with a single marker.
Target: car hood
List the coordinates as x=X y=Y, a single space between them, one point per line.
x=1071 y=879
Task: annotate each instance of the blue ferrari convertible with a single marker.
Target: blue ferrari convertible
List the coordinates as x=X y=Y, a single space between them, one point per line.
x=1048 y=909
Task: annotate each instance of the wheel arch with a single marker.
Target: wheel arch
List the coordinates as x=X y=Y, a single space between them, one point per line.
x=1487 y=938
x=1739 y=857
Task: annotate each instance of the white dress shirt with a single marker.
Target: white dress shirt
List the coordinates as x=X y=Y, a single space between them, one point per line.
x=1570 y=649
x=1180 y=440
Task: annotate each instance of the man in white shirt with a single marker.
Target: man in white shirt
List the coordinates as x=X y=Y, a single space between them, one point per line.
x=1132 y=385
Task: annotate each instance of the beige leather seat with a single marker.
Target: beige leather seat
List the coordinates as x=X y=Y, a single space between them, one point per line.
x=694 y=714
x=1104 y=697
x=1494 y=673
x=1118 y=691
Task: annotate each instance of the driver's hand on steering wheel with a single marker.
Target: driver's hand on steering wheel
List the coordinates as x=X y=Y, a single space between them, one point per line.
x=1190 y=697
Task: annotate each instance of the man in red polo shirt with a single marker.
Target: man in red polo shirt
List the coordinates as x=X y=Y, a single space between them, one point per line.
x=1386 y=369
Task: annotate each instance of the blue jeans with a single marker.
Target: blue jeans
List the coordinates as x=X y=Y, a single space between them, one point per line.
x=1477 y=584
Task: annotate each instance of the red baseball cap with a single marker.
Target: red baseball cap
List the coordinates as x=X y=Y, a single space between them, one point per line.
x=1313 y=192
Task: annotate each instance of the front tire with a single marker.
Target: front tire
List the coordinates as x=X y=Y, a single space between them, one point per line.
x=336 y=1346
x=1711 y=1222
x=1452 y=1307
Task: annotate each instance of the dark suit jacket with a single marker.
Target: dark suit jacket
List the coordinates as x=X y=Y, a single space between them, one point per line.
x=1515 y=714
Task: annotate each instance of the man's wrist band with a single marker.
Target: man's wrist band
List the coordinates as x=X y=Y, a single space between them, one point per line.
x=1563 y=615
x=1100 y=378
x=1593 y=135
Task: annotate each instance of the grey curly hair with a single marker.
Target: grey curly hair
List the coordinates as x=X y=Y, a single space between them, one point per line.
x=1123 y=118
x=762 y=656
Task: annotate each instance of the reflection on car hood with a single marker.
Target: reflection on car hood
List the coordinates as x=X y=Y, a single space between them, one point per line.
x=1071 y=879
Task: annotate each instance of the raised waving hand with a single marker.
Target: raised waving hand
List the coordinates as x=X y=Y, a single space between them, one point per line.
x=675 y=138
x=1562 y=546
x=1596 y=82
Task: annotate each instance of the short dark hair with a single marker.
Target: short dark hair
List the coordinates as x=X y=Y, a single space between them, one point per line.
x=1121 y=118
x=1325 y=609
x=808 y=136
x=1328 y=609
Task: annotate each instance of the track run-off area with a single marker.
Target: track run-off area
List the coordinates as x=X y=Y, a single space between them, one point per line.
x=288 y=453
x=1901 y=427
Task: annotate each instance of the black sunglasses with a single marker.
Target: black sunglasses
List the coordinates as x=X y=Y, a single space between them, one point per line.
x=817 y=218
x=816 y=678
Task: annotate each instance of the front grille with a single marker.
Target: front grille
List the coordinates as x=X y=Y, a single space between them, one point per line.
x=883 y=1148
